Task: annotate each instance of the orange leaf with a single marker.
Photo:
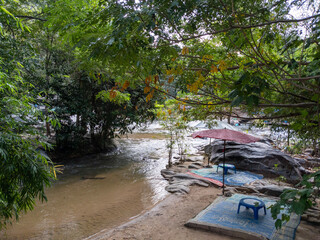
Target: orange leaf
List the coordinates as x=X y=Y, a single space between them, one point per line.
x=222 y=65
x=148 y=80
x=185 y=51
x=149 y=96
x=170 y=80
x=112 y=94
x=156 y=79
x=214 y=69
x=126 y=85
x=146 y=89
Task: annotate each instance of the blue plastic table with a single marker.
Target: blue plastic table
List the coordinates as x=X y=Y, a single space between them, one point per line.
x=226 y=167
x=254 y=204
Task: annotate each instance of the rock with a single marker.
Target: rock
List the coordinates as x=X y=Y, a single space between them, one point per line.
x=198 y=163
x=312 y=215
x=195 y=158
x=181 y=166
x=313 y=162
x=246 y=189
x=194 y=166
x=259 y=157
x=309 y=151
x=228 y=194
x=314 y=220
x=272 y=190
x=301 y=161
x=167 y=174
x=180 y=182
x=177 y=189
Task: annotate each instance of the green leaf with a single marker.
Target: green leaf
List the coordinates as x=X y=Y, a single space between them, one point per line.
x=234 y=93
x=6 y=11
x=278 y=223
x=237 y=101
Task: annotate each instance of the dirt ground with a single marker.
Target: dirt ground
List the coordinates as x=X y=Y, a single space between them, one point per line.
x=166 y=221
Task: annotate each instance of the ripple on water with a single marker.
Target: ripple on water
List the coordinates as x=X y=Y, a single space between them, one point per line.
x=126 y=183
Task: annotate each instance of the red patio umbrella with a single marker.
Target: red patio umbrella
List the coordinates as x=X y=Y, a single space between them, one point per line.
x=225 y=135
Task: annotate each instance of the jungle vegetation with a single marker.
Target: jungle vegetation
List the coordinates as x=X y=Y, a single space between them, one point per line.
x=94 y=67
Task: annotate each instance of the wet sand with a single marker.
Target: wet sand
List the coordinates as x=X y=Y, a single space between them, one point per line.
x=166 y=220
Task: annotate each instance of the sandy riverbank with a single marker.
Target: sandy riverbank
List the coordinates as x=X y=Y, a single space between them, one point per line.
x=166 y=221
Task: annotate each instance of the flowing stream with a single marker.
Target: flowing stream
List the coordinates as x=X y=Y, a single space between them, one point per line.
x=98 y=192
x=102 y=191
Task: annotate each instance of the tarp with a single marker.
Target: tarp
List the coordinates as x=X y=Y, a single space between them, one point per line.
x=232 y=179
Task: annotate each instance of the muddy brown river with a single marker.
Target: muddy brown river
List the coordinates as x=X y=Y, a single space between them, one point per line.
x=98 y=192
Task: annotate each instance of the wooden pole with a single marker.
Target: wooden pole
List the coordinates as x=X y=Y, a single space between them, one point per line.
x=224 y=159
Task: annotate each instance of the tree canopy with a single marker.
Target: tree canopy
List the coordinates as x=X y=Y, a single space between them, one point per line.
x=52 y=92
x=233 y=57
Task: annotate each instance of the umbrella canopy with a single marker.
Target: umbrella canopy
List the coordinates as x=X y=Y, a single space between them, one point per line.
x=226 y=135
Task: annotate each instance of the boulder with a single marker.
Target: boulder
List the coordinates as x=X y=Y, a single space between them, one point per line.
x=167 y=174
x=180 y=182
x=272 y=190
x=312 y=215
x=194 y=158
x=194 y=166
x=246 y=189
x=177 y=189
x=259 y=157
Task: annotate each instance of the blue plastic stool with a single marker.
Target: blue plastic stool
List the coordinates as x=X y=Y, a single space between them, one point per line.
x=249 y=203
x=226 y=167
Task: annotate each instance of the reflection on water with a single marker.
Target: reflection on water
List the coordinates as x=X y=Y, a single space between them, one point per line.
x=98 y=192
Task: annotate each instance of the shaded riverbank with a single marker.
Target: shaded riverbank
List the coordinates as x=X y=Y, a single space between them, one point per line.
x=98 y=192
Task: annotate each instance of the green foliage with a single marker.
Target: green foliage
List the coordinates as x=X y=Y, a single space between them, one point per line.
x=246 y=54
x=297 y=200
x=117 y=97
x=173 y=120
x=25 y=170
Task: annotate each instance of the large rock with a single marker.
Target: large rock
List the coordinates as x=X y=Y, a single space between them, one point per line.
x=259 y=157
x=180 y=182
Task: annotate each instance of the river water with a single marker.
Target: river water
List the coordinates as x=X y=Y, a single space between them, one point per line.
x=98 y=192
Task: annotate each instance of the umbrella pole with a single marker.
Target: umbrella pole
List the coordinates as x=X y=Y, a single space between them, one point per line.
x=209 y=157
x=224 y=159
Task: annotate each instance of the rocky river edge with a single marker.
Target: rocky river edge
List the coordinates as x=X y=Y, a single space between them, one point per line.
x=191 y=195
x=280 y=170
